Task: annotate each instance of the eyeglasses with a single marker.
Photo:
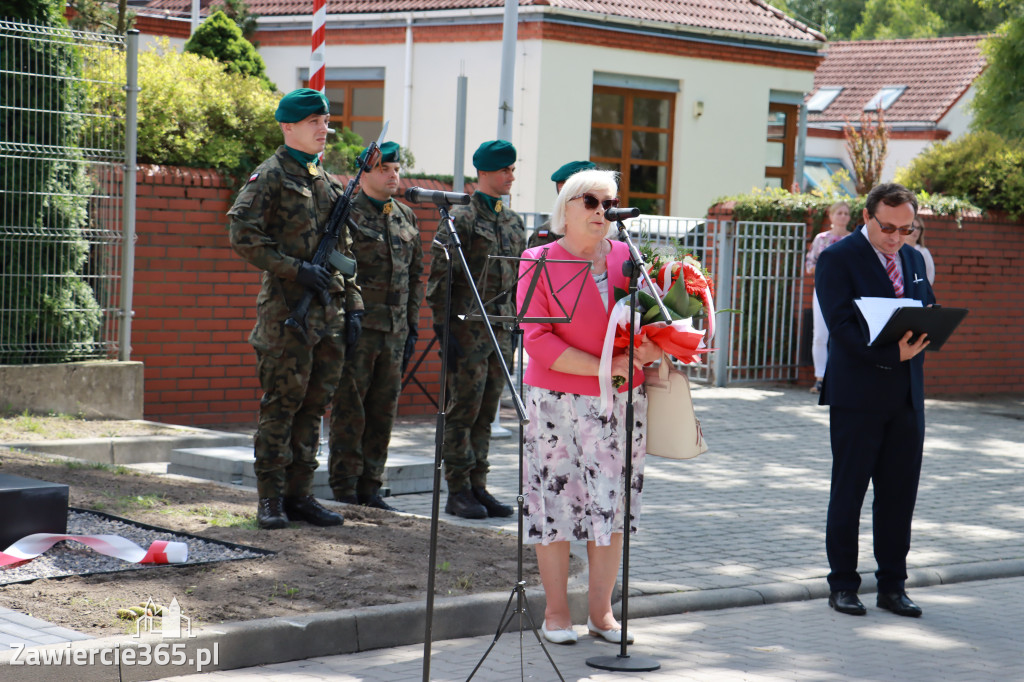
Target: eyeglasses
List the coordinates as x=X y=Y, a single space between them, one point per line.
x=590 y=202
x=889 y=229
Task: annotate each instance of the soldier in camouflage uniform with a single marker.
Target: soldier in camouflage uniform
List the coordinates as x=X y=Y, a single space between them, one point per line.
x=475 y=380
x=387 y=246
x=543 y=234
x=276 y=225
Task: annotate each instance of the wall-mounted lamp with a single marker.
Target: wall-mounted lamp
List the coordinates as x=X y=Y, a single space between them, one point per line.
x=698 y=109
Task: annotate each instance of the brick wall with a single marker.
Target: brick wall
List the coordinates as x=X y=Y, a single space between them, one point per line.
x=979 y=265
x=195 y=304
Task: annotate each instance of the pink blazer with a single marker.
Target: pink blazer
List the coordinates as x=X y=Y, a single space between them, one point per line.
x=545 y=341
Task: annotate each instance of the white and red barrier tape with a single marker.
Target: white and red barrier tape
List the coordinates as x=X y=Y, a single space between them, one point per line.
x=160 y=552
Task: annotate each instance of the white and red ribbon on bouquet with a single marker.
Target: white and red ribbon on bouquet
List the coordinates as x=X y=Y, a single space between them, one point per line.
x=160 y=552
x=680 y=338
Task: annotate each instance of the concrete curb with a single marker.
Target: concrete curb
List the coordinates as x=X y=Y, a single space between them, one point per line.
x=132 y=449
x=278 y=640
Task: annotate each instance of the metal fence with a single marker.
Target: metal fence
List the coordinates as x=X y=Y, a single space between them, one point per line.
x=66 y=204
x=760 y=274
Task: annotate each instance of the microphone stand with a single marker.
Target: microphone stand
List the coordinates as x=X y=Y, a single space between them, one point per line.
x=623 y=662
x=453 y=243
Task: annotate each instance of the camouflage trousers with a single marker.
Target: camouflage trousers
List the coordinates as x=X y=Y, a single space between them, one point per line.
x=297 y=386
x=475 y=384
x=363 y=413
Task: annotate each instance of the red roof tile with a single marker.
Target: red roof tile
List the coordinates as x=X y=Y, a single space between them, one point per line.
x=741 y=16
x=935 y=71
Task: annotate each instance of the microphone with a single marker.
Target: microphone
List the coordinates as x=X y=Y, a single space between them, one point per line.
x=418 y=195
x=615 y=214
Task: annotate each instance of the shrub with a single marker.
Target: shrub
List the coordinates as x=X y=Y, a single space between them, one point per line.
x=980 y=166
x=191 y=111
x=221 y=39
x=52 y=312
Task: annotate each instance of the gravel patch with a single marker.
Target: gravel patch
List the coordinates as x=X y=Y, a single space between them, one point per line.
x=73 y=558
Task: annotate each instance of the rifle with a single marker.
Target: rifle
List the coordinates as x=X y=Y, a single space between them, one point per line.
x=327 y=254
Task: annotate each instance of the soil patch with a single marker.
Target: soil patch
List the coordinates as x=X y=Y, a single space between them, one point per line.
x=375 y=558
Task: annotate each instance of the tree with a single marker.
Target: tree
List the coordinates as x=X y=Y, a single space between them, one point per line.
x=964 y=17
x=220 y=38
x=44 y=254
x=99 y=16
x=238 y=11
x=999 y=103
x=835 y=18
x=867 y=148
x=888 y=19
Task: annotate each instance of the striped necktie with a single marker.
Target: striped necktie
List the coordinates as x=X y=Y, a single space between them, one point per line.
x=894 y=274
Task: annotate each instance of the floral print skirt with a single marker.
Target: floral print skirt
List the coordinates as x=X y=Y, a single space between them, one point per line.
x=574 y=466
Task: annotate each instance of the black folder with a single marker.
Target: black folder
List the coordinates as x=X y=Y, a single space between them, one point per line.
x=938 y=323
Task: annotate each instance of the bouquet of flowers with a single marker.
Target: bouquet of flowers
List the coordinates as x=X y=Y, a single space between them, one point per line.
x=686 y=290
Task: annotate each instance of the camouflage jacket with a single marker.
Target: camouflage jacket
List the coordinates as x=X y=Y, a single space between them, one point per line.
x=542 y=235
x=277 y=222
x=389 y=252
x=483 y=233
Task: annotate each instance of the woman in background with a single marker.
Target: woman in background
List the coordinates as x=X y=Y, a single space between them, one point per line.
x=916 y=239
x=574 y=455
x=839 y=217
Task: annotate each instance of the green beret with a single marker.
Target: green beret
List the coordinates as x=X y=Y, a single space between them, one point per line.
x=570 y=169
x=494 y=155
x=298 y=104
x=388 y=153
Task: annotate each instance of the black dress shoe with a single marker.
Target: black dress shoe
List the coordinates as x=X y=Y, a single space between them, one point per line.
x=347 y=499
x=899 y=603
x=464 y=504
x=376 y=502
x=309 y=510
x=270 y=513
x=493 y=507
x=846 y=601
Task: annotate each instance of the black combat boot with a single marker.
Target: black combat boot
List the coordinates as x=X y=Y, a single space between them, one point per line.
x=375 y=501
x=464 y=504
x=309 y=510
x=493 y=507
x=270 y=513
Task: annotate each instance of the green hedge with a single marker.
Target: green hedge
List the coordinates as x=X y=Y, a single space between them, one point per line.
x=53 y=314
x=779 y=205
x=191 y=111
x=982 y=166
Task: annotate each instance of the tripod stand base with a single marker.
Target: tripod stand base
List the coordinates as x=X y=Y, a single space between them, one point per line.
x=626 y=664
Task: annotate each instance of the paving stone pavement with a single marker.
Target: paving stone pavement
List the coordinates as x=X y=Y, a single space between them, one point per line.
x=744 y=524
x=969 y=633
x=751 y=511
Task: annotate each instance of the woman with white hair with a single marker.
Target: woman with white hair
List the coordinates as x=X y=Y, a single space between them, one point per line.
x=574 y=461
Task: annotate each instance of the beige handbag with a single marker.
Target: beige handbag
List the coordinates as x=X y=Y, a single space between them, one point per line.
x=673 y=429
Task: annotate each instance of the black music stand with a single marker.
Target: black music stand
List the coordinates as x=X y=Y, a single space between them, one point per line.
x=448 y=239
x=534 y=272
x=634 y=268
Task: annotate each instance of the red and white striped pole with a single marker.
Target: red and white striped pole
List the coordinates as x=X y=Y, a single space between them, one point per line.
x=317 y=63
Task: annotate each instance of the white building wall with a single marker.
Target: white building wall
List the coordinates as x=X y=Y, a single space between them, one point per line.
x=722 y=152
x=958 y=119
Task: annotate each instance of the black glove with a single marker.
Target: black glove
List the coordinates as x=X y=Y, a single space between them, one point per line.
x=353 y=329
x=454 y=349
x=316 y=278
x=410 y=346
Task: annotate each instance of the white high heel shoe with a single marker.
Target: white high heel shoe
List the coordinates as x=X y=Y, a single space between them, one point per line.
x=559 y=635
x=614 y=636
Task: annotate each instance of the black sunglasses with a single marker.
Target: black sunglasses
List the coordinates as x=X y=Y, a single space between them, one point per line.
x=590 y=202
x=889 y=229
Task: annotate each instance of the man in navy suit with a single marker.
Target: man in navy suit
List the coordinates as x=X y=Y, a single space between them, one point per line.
x=876 y=399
